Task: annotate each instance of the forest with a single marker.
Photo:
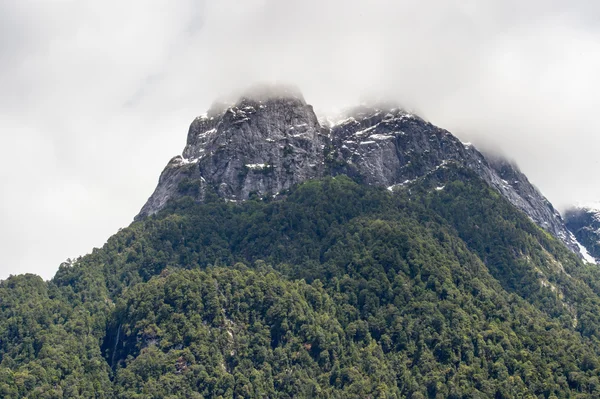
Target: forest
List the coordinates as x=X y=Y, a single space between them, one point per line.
x=334 y=289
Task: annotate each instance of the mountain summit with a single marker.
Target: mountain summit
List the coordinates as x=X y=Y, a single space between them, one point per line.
x=271 y=139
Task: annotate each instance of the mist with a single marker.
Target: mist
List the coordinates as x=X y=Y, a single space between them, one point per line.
x=96 y=97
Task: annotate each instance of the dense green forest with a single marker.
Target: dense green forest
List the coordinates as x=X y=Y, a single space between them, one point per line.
x=439 y=289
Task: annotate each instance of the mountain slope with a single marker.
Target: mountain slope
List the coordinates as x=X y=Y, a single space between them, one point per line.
x=50 y=345
x=347 y=291
x=240 y=333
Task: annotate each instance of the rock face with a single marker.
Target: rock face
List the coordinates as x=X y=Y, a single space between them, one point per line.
x=259 y=145
x=584 y=223
x=266 y=143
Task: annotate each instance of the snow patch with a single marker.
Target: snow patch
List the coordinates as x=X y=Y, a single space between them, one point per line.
x=303 y=134
x=186 y=161
x=363 y=132
x=443 y=164
x=256 y=166
x=404 y=183
x=584 y=252
x=380 y=137
x=206 y=133
x=342 y=122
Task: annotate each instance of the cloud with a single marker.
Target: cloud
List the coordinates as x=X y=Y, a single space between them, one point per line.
x=97 y=96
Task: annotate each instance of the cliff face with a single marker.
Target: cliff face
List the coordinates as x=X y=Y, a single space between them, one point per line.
x=266 y=143
x=584 y=223
x=258 y=146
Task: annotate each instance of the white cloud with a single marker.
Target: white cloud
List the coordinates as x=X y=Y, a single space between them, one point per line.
x=97 y=96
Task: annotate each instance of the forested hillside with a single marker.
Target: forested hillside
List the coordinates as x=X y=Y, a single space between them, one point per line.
x=333 y=289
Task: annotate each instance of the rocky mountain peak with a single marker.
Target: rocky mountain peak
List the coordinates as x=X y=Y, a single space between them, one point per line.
x=271 y=139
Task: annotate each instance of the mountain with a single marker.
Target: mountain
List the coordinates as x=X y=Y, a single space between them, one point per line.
x=584 y=223
x=271 y=139
x=315 y=261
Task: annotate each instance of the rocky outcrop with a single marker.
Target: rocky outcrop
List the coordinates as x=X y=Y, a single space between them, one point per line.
x=584 y=223
x=259 y=145
x=391 y=147
x=267 y=142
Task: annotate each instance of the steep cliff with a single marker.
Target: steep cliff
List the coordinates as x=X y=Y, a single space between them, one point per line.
x=267 y=142
x=584 y=223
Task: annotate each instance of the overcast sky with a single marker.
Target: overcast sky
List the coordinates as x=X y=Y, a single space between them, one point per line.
x=97 y=96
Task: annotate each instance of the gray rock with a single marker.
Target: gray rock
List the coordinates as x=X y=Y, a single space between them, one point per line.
x=584 y=223
x=269 y=141
x=259 y=145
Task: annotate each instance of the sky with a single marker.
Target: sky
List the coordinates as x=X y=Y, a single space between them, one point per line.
x=97 y=96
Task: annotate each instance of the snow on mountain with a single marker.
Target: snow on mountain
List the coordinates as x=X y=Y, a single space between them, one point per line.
x=584 y=222
x=266 y=143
